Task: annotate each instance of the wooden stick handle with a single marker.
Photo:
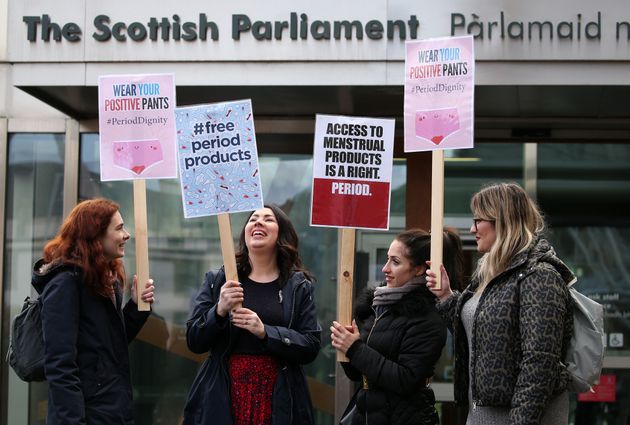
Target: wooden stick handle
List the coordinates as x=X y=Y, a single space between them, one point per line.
x=227 y=247
x=437 y=212
x=142 y=240
x=345 y=278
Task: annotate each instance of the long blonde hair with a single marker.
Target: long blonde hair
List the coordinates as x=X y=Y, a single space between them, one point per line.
x=517 y=222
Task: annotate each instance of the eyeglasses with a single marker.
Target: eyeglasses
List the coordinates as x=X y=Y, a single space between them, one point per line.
x=476 y=222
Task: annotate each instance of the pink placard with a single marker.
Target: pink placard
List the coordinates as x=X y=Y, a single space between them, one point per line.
x=137 y=126
x=439 y=94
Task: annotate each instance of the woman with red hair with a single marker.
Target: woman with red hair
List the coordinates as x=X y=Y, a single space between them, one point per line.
x=86 y=329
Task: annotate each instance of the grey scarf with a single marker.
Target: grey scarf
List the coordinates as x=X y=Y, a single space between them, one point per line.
x=384 y=295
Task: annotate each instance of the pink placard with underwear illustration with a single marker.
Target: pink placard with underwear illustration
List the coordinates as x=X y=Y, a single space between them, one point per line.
x=137 y=127
x=439 y=94
x=137 y=155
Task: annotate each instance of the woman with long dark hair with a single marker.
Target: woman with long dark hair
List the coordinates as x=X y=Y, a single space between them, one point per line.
x=86 y=330
x=397 y=337
x=253 y=374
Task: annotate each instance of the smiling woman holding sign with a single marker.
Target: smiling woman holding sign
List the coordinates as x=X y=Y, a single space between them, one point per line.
x=397 y=338
x=512 y=325
x=253 y=375
x=86 y=329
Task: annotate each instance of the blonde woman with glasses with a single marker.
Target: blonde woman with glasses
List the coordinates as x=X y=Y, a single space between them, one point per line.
x=512 y=324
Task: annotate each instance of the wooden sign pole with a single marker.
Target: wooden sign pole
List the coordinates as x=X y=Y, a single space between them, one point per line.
x=142 y=240
x=227 y=247
x=437 y=212
x=345 y=281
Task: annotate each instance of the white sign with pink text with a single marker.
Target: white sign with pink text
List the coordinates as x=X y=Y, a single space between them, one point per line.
x=137 y=126
x=439 y=94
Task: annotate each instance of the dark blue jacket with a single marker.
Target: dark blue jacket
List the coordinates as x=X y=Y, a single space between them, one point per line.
x=86 y=355
x=294 y=344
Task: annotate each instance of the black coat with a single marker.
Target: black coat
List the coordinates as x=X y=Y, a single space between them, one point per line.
x=86 y=354
x=294 y=344
x=396 y=355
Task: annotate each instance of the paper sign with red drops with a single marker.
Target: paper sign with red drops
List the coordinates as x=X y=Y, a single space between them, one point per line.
x=218 y=159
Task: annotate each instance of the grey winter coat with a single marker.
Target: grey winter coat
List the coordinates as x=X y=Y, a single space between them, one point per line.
x=521 y=330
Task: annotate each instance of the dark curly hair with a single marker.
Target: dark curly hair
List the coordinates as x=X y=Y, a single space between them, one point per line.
x=288 y=256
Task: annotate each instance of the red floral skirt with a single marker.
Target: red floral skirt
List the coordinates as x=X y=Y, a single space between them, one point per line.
x=253 y=378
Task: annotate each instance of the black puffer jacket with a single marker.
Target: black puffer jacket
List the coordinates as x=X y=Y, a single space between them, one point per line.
x=86 y=355
x=521 y=330
x=396 y=354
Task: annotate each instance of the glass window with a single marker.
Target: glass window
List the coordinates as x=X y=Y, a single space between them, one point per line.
x=584 y=184
x=182 y=250
x=584 y=190
x=399 y=191
x=468 y=170
x=34 y=209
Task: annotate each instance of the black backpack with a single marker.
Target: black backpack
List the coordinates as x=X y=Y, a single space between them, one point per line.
x=26 y=343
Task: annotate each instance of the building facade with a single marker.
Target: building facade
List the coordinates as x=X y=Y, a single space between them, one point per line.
x=552 y=112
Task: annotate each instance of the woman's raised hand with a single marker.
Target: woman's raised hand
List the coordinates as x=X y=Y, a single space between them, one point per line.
x=230 y=297
x=445 y=291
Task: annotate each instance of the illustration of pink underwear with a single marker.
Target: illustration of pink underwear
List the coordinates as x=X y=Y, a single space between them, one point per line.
x=437 y=124
x=137 y=155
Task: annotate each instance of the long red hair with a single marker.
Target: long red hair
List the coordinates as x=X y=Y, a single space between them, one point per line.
x=78 y=242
